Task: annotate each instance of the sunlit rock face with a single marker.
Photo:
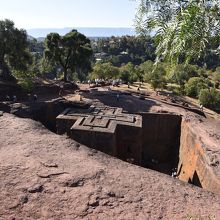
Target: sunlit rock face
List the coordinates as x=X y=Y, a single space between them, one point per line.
x=196 y=165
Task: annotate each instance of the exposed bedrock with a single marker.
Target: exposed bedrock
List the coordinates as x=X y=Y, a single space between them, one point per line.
x=159 y=141
x=45 y=112
x=195 y=165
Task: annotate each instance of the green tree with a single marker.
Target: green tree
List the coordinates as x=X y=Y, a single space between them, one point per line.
x=122 y=50
x=157 y=77
x=14 y=54
x=128 y=73
x=72 y=52
x=182 y=73
x=194 y=86
x=139 y=73
x=210 y=98
x=147 y=68
x=183 y=28
x=104 y=71
x=124 y=74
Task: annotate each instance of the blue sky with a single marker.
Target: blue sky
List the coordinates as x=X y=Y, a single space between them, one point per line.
x=68 y=13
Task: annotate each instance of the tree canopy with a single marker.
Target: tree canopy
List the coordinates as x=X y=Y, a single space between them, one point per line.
x=104 y=71
x=14 y=54
x=72 y=52
x=125 y=49
x=183 y=28
x=129 y=73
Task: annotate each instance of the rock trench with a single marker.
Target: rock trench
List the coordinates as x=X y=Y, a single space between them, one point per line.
x=159 y=141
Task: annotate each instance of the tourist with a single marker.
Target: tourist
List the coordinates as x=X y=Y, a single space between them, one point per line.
x=7 y=98
x=14 y=98
x=174 y=173
x=113 y=83
x=201 y=107
x=35 y=97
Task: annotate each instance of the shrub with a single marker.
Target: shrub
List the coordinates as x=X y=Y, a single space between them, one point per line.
x=157 y=78
x=194 y=85
x=147 y=67
x=210 y=98
x=216 y=78
x=127 y=73
x=104 y=71
x=183 y=73
x=174 y=88
x=26 y=84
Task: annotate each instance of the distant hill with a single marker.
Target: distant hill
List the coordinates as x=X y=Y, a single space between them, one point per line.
x=93 y=32
x=30 y=37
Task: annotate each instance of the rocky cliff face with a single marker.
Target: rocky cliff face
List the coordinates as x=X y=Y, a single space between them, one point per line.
x=196 y=160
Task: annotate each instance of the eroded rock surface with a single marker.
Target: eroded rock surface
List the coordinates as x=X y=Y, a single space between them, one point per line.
x=46 y=176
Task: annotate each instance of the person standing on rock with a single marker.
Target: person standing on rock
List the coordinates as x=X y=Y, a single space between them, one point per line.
x=14 y=98
x=201 y=107
x=7 y=98
x=35 y=97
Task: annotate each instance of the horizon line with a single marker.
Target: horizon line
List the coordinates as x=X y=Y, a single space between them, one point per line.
x=76 y=27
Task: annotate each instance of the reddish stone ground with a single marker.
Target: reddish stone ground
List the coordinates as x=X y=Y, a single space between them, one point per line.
x=46 y=176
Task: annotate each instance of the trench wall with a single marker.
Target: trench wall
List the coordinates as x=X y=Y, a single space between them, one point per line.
x=160 y=140
x=194 y=165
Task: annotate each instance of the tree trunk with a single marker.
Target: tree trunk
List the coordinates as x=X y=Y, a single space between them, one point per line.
x=65 y=75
